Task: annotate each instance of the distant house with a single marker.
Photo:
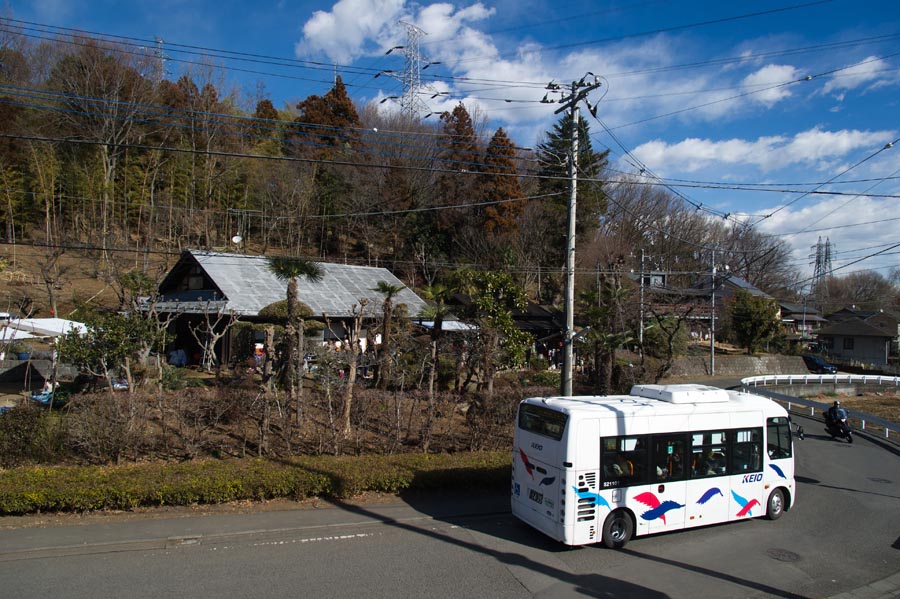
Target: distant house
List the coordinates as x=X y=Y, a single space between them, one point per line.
x=240 y=285
x=801 y=322
x=887 y=321
x=856 y=340
x=725 y=288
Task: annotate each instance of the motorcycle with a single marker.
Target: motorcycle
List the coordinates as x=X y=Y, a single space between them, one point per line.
x=838 y=427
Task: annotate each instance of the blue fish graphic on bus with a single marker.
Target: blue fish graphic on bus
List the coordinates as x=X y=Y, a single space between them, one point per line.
x=709 y=495
x=657 y=509
x=588 y=495
x=746 y=506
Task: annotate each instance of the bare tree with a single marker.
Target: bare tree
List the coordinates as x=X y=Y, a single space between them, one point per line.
x=104 y=88
x=215 y=325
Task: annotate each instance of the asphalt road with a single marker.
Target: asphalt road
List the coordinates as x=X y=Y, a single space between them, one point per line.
x=840 y=538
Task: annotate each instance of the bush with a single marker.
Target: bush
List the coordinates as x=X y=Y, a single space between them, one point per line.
x=39 y=489
x=545 y=378
x=30 y=434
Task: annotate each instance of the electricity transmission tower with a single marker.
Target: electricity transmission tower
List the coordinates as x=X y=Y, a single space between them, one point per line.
x=411 y=105
x=821 y=261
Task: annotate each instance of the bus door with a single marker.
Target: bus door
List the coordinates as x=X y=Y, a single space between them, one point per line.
x=709 y=498
x=747 y=487
x=666 y=498
x=779 y=470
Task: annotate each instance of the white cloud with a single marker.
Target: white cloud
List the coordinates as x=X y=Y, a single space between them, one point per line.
x=765 y=82
x=857 y=227
x=860 y=74
x=813 y=148
x=342 y=33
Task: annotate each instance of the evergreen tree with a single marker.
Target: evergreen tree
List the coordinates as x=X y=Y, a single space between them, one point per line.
x=754 y=320
x=459 y=157
x=327 y=129
x=502 y=185
x=552 y=155
x=326 y=123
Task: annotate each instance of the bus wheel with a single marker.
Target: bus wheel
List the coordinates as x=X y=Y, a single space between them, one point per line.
x=617 y=529
x=775 y=506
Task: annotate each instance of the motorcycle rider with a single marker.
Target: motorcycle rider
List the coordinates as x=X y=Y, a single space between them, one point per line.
x=835 y=413
x=836 y=422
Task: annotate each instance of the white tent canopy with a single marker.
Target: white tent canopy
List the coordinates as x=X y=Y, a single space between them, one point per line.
x=8 y=335
x=46 y=327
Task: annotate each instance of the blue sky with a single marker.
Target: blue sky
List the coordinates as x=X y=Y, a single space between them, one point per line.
x=720 y=96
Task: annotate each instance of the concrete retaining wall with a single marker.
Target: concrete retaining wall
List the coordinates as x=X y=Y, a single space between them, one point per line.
x=740 y=366
x=811 y=389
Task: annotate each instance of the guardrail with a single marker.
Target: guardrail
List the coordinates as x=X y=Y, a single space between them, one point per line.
x=756 y=384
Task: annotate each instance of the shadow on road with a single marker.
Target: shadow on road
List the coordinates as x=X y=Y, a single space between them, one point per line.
x=441 y=508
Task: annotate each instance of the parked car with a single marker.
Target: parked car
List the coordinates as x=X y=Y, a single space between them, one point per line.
x=818 y=365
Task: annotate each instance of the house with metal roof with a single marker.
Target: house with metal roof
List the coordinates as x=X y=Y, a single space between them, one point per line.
x=801 y=322
x=239 y=285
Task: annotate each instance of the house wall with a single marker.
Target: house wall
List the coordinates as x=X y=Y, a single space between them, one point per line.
x=873 y=350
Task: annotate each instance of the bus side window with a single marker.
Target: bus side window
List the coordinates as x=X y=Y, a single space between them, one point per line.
x=622 y=463
x=708 y=454
x=746 y=450
x=668 y=457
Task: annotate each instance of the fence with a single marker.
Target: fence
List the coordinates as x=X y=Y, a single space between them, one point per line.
x=756 y=384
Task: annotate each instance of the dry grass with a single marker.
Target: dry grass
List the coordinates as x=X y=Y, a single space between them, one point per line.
x=81 y=278
x=884 y=405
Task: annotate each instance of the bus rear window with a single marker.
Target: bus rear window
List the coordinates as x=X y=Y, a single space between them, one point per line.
x=542 y=421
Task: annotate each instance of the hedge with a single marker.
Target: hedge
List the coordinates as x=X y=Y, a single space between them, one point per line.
x=36 y=489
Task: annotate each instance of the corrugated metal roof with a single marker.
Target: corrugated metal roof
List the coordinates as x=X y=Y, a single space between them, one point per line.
x=852 y=327
x=248 y=285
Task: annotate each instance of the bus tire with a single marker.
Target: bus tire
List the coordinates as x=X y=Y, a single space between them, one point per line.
x=775 y=505
x=617 y=529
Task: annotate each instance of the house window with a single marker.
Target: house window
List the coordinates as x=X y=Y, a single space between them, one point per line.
x=848 y=342
x=193 y=280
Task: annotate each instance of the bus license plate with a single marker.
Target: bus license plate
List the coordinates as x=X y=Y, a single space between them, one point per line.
x=535 y=496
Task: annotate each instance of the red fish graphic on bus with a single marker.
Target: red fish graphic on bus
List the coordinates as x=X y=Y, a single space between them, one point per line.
x=657 y=509
x=746 y=506
x=529 y=467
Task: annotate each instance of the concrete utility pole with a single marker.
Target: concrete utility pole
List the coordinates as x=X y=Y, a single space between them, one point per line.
x=712 y=316
x=579 y=91
x=712 y=319
x=641 y=329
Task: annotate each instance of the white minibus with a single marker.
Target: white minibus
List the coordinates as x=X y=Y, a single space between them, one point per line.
x=666 y=457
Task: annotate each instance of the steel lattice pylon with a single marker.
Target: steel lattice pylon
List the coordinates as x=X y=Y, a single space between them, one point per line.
x=411 y=105
x=821 y=270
